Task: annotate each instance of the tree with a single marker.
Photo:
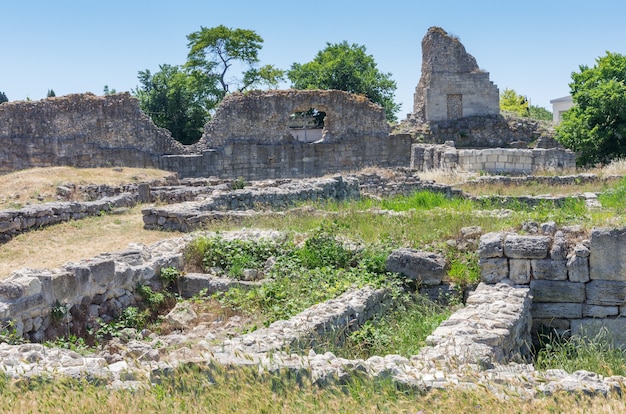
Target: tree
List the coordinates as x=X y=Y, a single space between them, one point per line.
x=50 y=93
x=176 y=100
x=512 y=102
x=595 y=127
x=3 y=97
x=106 y=91
x=348 y=68
x=540 y=113
x=214 y=51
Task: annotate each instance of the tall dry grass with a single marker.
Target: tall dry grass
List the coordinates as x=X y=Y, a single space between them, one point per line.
x=39 y=185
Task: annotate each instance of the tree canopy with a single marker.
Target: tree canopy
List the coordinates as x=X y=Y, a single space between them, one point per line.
x=214 y=51
x=512 y=102
x=181 y=98
x=348 y=68
x=3 y=97
x=595 y=127
x=176 y=100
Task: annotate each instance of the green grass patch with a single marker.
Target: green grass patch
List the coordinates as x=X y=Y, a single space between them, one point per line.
x=596 y=354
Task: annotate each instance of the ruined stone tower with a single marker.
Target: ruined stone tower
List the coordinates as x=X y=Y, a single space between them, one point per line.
x=451 y=86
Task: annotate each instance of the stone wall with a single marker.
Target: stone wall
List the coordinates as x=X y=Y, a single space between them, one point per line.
x=13 y=222
x=293 y=159
x=262 y=117
x=579 y=284
x=492 y=160
x=451 y=85
x=45 y=303
x=81 y=130
x=248 y=137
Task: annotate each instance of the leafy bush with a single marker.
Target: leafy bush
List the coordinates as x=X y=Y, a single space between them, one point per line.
x=234 y=256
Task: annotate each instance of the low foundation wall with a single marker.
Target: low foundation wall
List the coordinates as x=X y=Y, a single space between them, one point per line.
x=254 y=161
x=579 y=284
x=492 y=160
x=43 y=304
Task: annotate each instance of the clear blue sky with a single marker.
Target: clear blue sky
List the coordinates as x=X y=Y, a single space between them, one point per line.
x=80 y=46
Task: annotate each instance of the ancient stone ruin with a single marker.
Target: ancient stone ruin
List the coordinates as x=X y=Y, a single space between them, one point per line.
x=452 y=86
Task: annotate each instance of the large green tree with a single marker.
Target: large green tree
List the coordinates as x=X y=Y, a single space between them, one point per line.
x=176 y=100
x=214 y=52
x=348 y=68
x=512 y=102
x=595 y=127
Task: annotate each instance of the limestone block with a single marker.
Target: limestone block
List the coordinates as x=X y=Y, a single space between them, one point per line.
x=606 y=292
x=65 y=287
x=581 y=250
x=578 y=269
x=491 y=245
x=425 y=267
x=493 y=270
x=558 y=251
x=608 y=250
x=557 y=310
x=526 y=247
x=519 y=271
x=613 y=330
x=557 y=291
x=182 y=316
x=595 y=311
x=547 y=269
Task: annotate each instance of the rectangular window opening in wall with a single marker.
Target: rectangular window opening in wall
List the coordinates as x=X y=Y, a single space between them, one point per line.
x=455 y=106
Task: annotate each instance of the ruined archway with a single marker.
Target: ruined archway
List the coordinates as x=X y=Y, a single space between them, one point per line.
x=263 y=117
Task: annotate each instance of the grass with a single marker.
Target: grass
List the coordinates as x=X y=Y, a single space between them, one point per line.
x=39 y=185
x=223 y=390
x=424 y=221
x=596 y=354
x=53 y=246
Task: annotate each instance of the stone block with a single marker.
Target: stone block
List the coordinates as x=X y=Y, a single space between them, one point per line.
x=526 y=247
x=612 y=330
x=578 y=269
x=424 y=267
x=549 y=325
x=557 y=310
x=65 y=287
x=491 y=245
x=606 y=292
x=548 y=269
x=493 y=270
x=608 y=250
x=557 y=291
x=595 y=311
x=519 y=271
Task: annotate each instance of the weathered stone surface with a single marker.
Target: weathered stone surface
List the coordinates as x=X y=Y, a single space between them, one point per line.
x=557 y=310
x=548 y=326
x=548 y=269
x=606 y=245
x=491 y=245
x=493 y=270
x=557 y=291
x=612 y=330
x=606 y=292
x=451 y=85
x=595 y=311
x=424 y=267
x=519 y=271
x=182 y=316
x=526 y=247
x=558 y=251
x=578 y=269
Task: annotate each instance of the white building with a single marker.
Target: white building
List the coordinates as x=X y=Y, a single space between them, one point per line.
x=559 y=106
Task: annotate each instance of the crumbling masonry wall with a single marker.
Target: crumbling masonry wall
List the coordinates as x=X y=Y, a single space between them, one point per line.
x=82 y=131
x=452 y=86
x=248 y=136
